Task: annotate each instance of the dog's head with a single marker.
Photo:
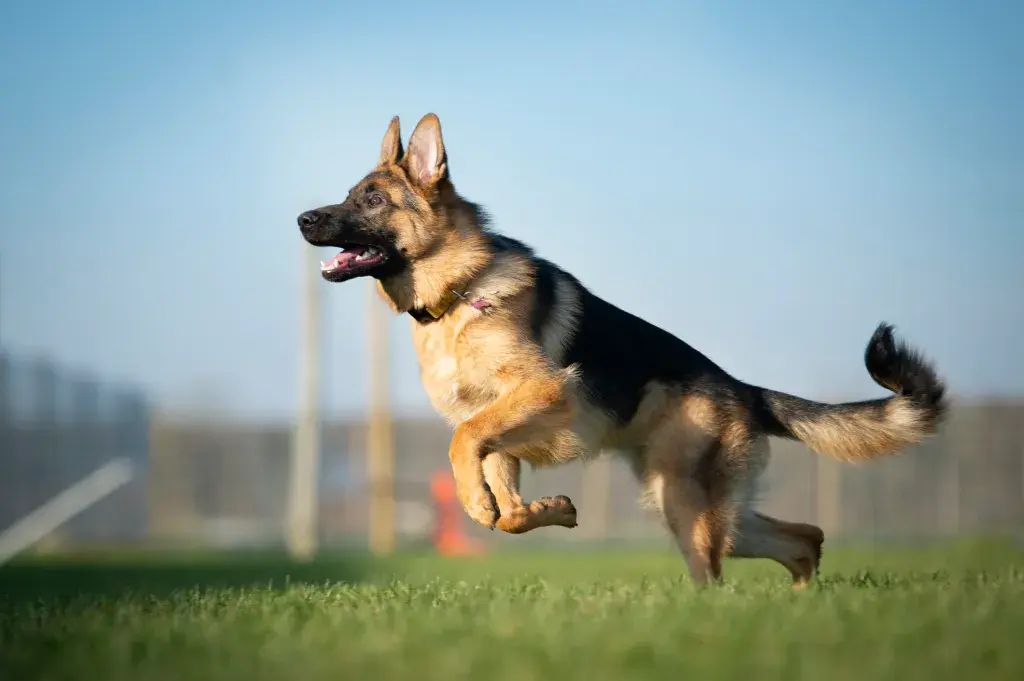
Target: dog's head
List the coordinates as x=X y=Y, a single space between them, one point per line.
x=397 y=214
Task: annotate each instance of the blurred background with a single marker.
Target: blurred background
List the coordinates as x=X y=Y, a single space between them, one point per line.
x=175 y=375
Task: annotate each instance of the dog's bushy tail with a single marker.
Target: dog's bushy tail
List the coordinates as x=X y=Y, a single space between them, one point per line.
x=860 y=431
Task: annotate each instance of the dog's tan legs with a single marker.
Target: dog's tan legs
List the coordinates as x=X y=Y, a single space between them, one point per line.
x=501 y=471
x=700 y=530
x=527 y=413
x=795 y=546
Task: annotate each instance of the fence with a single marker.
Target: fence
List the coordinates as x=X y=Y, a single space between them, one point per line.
x=56 y=427
x=225 y=483
x=215 y=483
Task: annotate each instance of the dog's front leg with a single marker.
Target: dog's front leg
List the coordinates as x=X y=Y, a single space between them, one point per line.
x=466 y=454
x=527 y=413
x=501 y=472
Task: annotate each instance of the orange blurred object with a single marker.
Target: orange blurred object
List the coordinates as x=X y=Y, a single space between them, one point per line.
x=449 y=539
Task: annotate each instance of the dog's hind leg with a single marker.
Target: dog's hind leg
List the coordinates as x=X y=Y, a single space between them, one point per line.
x=684 y=481
x=700 y=527
x=795 y=546
x=501 y=472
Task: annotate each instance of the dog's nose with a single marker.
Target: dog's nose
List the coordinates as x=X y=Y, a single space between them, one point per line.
x=309 y=219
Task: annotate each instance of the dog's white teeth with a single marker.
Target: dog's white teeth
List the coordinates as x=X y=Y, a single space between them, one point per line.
x=324 y=265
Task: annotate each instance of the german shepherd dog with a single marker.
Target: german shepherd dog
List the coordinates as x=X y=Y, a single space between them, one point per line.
x=528 y=365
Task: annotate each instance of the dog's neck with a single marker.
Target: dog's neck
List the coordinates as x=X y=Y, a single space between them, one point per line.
x=436 y=281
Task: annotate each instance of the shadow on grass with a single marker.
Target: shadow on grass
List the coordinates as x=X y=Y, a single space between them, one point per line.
x=66 y=577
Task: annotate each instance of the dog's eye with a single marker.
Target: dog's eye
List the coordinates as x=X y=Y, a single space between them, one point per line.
x=376 y=200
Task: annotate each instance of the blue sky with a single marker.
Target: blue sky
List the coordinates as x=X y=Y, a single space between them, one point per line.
x=765 y=180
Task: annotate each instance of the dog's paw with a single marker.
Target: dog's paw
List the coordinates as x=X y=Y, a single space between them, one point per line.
x=483 y=510
x=556 y=510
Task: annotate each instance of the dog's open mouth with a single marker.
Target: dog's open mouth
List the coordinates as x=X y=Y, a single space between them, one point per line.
x=354 y=260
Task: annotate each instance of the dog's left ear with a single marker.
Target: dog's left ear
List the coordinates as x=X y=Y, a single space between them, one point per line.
x=426 y=161
x=391 y=148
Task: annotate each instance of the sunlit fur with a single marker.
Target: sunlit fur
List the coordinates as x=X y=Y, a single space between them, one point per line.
x=541 y=370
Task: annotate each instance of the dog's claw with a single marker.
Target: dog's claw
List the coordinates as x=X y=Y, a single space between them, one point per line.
x=483 y=513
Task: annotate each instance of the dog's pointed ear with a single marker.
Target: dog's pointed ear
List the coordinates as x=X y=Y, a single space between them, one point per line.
x=425 y=160
x=391 y=148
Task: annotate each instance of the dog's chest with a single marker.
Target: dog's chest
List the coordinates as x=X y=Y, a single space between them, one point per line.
x=458 y=378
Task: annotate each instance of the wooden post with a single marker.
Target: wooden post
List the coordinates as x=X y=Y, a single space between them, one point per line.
x=303 y=501
x=380 y=446
x=597 y=482
x=829 y=494
x=957 y=439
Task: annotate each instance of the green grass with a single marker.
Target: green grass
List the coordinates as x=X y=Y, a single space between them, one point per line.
x=930 y=614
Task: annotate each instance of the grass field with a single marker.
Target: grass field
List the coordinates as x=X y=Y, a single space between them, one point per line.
x=950 y=613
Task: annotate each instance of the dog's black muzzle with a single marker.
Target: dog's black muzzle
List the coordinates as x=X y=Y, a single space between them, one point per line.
x=321 y=228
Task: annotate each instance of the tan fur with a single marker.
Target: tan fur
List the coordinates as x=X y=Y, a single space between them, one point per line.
x=509 y=399
x=795 y=546
x=447 y=261
x=501 y=472
x=860 y=436
x=682 y=437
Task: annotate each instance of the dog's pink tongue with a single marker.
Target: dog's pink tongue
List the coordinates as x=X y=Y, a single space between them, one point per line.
x=345 y=257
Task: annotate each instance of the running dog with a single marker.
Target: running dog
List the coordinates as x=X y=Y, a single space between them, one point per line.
x=528 y=365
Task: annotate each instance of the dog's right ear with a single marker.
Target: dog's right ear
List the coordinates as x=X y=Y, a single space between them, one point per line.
x=426 y=161
x=391 y=151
